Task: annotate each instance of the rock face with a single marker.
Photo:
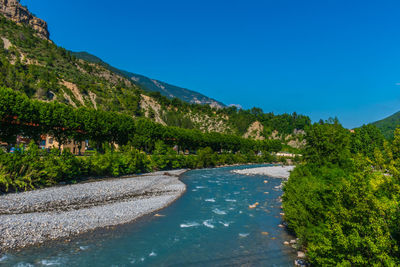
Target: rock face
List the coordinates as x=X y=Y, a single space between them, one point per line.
x=13 y=10
x=255 y=131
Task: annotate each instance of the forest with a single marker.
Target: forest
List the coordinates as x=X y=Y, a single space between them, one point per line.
x=343 y=201
x=143 y=145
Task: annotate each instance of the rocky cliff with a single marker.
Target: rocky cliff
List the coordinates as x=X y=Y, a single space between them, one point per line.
x=13 y=10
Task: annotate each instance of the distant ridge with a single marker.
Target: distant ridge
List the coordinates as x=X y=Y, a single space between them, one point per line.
x=148 y=84
x=388 y=125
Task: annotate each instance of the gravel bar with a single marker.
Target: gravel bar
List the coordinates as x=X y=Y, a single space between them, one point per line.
x=271 y=171
x=33 y=217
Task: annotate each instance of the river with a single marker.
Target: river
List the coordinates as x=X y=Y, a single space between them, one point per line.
x=210 y=225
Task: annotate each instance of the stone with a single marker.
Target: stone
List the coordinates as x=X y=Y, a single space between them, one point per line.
x=300 y=263
x=301 y=254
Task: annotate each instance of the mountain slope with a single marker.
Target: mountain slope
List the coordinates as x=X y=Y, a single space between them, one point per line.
x=148 y=84
x=42 y=70
x=388 y=125
x=45 y=71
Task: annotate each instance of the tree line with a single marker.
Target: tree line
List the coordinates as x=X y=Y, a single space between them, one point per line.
x=20 y=115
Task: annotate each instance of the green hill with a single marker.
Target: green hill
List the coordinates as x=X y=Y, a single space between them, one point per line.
x=389 y=124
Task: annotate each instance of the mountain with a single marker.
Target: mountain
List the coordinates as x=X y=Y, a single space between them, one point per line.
x=388 y=125
x=32 y=64
x=152 y=85
x=42 y=70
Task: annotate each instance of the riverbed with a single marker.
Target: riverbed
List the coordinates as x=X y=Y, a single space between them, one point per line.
x=210 y=225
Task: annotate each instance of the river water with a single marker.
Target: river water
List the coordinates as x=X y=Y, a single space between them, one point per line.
x=210 y=225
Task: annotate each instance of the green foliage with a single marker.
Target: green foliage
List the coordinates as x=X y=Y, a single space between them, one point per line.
x=20 y=115
x=177 y=119
x=328 y=142
x=38 y=67
x=35 y=168
x=32 y=168
x=339 y=218
x=284 y=124
x=343 y=203
x=111 y=163
x=365 y=139
x=388 y=125
x=206 y=157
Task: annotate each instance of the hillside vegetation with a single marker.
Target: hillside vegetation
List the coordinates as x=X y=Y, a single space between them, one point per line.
x=124 y=145
x=343 y=202
x=148 y=84
x=388 y=125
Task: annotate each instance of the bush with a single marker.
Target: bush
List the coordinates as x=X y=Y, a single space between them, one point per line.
x=35 y=168
x=206 y=158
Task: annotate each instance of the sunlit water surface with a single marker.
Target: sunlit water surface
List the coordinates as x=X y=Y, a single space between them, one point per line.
x=210 y=225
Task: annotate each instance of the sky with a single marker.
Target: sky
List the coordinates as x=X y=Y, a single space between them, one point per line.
x=319 y=58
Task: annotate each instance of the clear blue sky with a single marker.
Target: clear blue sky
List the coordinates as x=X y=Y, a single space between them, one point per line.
x=319 y=58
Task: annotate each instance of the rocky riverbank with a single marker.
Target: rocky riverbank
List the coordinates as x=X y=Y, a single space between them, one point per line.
x=33 y=217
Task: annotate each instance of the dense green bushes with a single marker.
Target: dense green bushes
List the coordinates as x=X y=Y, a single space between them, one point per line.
x=35 y=168
x=343 y=203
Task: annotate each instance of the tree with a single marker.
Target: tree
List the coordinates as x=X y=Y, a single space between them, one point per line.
x=396 y=144
x=327 y=143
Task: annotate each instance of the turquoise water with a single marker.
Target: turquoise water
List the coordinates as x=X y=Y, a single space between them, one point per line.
x=210 y=225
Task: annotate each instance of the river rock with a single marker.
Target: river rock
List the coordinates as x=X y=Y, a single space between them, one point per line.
x=300 y=263
x=301 y=254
